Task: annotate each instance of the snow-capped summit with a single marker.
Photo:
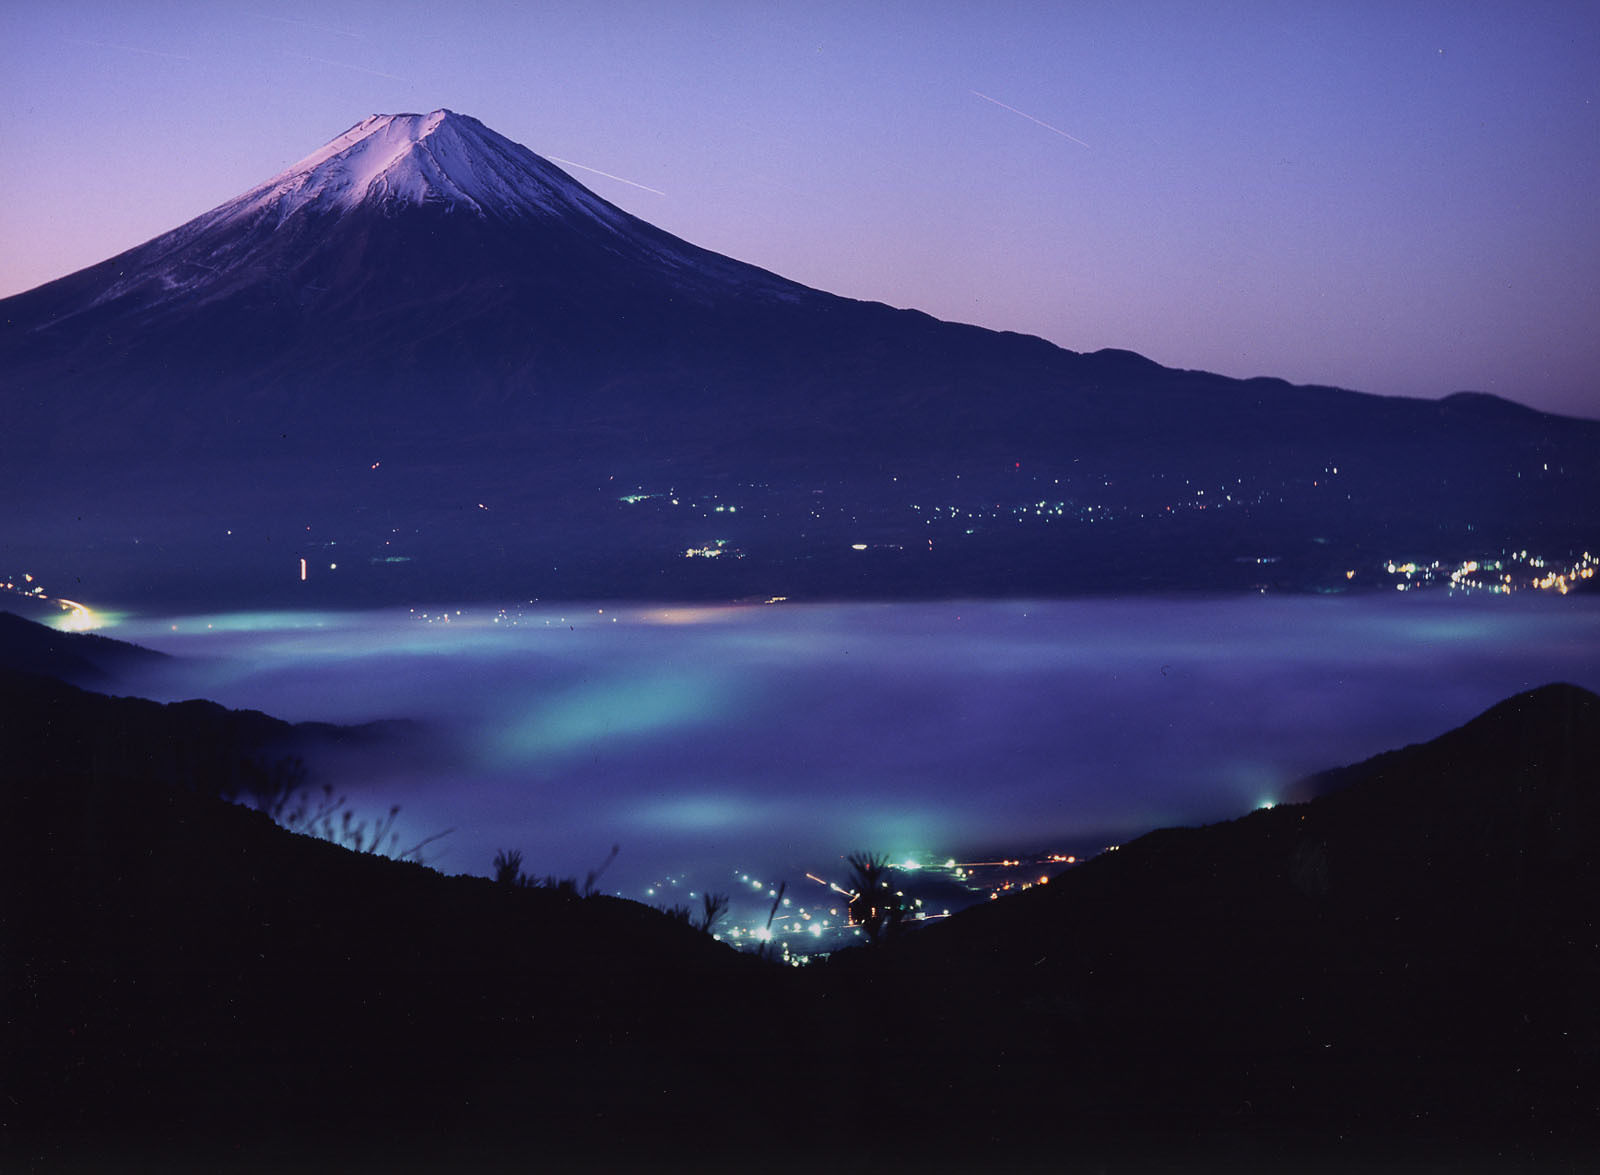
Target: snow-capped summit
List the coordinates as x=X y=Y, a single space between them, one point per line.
x=442 y=159
x=403 y=201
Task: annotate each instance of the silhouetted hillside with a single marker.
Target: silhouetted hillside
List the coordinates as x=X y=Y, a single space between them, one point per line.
x=1410 y=957
x=1401 y=970
x=197 y=980
x=80 y=658
x=181 y=975
x=54 y=729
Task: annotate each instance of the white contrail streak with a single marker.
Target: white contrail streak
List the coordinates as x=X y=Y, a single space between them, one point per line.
x=306 y=24
x=1030 y=118
x=607 y=174
x=127 y=49
x=346 y=65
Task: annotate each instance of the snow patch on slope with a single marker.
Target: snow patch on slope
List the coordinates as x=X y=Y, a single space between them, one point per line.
x=442 y=159
x=390 y=162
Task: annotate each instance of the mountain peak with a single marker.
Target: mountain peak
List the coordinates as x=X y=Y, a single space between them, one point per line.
x=442 y=159
x=419 y=197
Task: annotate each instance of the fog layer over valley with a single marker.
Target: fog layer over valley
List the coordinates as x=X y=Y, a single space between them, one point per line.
x=707 y=741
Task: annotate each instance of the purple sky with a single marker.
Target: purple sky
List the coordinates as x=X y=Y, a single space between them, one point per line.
x=1396 y=197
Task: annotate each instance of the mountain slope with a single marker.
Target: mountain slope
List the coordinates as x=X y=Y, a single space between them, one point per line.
x=1412 y=951
x=185 y=983
x=52 y=730
x=1402 y=971
x=423 y=261
x=83 y=659
x=423 y=294
x=410 y=250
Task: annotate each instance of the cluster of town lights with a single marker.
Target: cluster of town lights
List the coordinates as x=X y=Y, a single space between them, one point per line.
x=1513 y=571
x=75 y=617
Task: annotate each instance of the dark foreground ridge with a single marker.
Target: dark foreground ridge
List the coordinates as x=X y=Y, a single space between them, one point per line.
x=1402 y=970
x=1404 y=965
x=54 y=725
x=85 y=659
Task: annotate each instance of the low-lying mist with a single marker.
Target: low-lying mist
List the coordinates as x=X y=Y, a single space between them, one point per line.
x=710 y=740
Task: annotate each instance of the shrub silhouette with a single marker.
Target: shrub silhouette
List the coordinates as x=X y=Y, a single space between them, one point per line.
x=508 y=868
x=281 y=788
x=272 y=785
x=777 y=900
x=875 y=905
x=593 y=876
x=713 y=907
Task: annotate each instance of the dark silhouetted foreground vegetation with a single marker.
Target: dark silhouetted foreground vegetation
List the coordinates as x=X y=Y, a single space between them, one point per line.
x=1401 y=971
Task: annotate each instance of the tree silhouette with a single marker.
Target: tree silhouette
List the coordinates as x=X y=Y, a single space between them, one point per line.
x=777 y=900
x=715 y=905
x=592 y=878
x=282 y=789
x=273 y=784
x=875 y=905
x=508 y=867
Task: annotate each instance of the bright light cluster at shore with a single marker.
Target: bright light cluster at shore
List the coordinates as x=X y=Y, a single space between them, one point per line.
x=813 y=919
x=75 y=617
x=1513 y=571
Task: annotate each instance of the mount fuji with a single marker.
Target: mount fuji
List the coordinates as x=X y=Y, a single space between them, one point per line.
x=423 y=322
x=414 y=260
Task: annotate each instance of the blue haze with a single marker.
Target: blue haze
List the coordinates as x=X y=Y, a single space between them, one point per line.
x=778 y=738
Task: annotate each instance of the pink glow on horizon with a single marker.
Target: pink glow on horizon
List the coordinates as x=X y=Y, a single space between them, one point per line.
x=1396 y=201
